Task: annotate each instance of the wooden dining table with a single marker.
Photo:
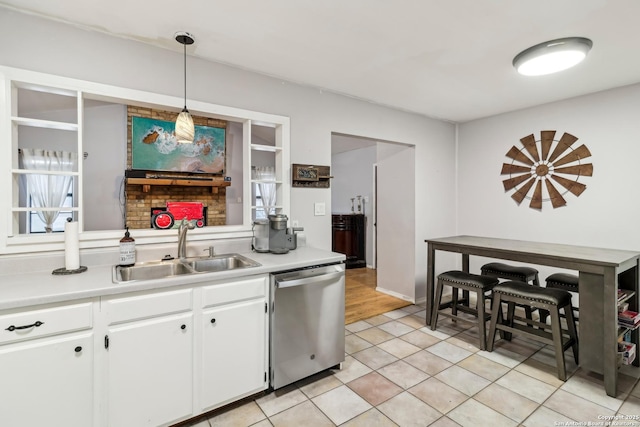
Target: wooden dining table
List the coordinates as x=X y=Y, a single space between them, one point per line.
x=601 y=273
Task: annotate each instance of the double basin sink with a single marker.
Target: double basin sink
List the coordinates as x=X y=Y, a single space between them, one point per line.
x=176 y=267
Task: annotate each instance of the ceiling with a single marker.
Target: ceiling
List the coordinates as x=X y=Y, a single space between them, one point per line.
x=449 y=60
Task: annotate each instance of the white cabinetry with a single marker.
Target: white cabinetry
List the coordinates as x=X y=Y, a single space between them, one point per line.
x=149 y=345
x=233 y=341
x=47 y=366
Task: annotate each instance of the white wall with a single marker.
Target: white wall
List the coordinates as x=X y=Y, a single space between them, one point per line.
x=52 y=47
x=605 y=215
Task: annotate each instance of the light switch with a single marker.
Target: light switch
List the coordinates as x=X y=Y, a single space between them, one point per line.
x=318 y=208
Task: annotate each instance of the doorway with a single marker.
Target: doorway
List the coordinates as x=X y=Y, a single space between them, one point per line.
x=382 y=173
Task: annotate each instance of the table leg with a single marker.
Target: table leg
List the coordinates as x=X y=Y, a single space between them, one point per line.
x=610 y=338
x=431 y=259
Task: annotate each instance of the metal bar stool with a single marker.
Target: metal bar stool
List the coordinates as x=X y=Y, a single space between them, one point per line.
x=564 y=281
x=551 y=300
x=470 y=283
x=510 y=272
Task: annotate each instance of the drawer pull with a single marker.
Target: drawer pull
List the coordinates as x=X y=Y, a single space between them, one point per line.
x=13 y=328
x=78 y=349
x=213 y=320
x=183 y=327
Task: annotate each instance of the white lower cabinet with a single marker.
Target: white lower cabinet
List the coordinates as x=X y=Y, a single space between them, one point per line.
x=149 y=359
x=47 y=367
x=233 y=353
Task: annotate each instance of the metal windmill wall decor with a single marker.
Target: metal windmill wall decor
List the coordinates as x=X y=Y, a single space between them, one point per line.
x=560 y=171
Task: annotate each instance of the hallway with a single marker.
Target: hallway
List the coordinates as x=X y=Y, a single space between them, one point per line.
x=362 y=301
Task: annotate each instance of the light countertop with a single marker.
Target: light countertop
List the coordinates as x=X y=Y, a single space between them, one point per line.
x=42 y=287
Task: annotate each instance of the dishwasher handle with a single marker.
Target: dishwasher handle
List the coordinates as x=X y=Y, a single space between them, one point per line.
x=284 y=283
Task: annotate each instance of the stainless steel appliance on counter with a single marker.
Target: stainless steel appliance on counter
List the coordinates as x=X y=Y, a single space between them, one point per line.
x=307 y=322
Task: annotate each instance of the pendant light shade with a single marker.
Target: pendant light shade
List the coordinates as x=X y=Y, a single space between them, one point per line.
x=552 y=56
x=185 y=130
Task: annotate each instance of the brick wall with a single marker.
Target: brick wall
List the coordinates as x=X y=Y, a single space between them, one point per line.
x=139 y=203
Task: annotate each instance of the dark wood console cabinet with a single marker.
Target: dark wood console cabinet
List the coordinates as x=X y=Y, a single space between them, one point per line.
x=349 y=238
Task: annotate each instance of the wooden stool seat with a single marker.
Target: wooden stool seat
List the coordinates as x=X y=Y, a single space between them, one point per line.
x=549 y=300
x=470 y=283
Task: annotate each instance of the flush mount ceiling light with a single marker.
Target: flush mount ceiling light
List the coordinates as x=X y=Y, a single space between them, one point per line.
x=184 y=123
x=552 y=56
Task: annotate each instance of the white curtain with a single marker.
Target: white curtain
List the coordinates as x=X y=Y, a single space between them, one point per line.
x=48 y=191
x=267 y=189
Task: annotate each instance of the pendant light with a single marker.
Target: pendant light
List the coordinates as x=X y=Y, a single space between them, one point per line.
x=552 y=56
x=185 y=129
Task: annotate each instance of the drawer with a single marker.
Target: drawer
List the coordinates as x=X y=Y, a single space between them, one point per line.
x=31 y=324
x=240 y=290
x=125 y=309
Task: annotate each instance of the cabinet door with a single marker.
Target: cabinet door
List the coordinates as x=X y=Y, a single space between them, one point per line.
x=233 y=352
x=150 y=371
x=47 y=382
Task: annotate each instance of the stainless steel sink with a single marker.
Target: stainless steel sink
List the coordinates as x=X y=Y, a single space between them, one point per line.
x=220 y=263
x=163 y=269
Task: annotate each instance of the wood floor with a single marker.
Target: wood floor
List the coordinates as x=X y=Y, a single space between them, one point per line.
x=361 y=299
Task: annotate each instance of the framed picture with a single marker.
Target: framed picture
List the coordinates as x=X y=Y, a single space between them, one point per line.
x=305 y=173
x=154 y=147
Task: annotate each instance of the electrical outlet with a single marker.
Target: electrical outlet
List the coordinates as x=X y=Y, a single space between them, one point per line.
x=319 y=209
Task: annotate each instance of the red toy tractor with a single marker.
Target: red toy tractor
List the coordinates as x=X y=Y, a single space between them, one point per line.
x=193 y=212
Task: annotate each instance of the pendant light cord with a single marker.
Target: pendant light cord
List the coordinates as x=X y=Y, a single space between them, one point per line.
x=185 y=75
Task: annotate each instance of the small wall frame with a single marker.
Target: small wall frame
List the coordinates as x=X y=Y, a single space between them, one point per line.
x=310 y=176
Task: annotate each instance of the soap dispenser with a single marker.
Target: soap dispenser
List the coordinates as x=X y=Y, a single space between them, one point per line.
x=127 y=250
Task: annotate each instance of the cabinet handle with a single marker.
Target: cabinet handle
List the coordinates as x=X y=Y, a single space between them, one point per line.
x=183 y=327
x=78 y=349
x=213 y=321
x=13 y=327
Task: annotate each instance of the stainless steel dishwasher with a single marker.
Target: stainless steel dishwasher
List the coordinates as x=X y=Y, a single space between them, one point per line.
x=307 y=322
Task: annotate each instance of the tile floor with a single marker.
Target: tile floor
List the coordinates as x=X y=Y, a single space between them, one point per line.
x=398 y=372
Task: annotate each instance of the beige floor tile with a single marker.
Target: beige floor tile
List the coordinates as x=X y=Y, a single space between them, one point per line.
x=506 y=358
x=358 y=326
x=413 y=321
x=375 y=335
x=374 y=357
x=306 y=411
x=463 y=380
x=396 y=328
x=407 y=410
x=351 y=369
x=508 y=403
x=420 y=339
x=540 y=371
x=450 y=352
x=576 y=407
x=484 y=367
x=625 y=382
x=374 y=388
x=280 y=400
x=445 y=422
x=526 y=386
x=378 y=320
x=403 y=374
x=263 y=423
x=471 y=412
x=412 y=309
x=244 y=415
x=427 y=362
x=396 y=314
x=547 y=355
x=465 y=341
x=631 y=406
x=518 y=346
x=546 y=417
x=636 y=390
x=318 y=384
x=399 y=348
x=593 y=391
x=341 y=404
x=371 y=418
x=204 y=423
x=353 y=344
x=438 y=395
x=438 y=334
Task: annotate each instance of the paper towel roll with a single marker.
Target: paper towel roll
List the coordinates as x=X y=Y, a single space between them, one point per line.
x=71 y=246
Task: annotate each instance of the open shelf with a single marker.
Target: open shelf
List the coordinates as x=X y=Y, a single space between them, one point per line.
x=146 y=183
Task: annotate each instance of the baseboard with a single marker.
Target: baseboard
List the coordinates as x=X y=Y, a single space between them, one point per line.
x=394 y=294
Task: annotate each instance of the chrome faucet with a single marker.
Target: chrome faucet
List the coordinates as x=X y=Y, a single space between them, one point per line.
x=182 y=237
